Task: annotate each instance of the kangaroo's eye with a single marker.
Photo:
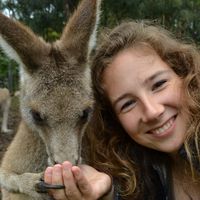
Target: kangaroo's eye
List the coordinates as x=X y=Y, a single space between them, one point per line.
x=86 y=113
x=38 y=119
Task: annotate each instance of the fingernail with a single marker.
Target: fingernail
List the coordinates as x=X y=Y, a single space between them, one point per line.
x=48 y=170
x=57 y=169
x=66 y=166
x=76 y=174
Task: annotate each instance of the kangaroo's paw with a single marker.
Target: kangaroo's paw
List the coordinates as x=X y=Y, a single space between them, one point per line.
x=28 y=184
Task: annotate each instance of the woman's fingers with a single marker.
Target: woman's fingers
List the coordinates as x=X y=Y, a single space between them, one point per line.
x=48 y=175
x=71 y=190
x=62 y=175
x=57 y=180
x=91 y=183
x=53 y=176
x=82 y=182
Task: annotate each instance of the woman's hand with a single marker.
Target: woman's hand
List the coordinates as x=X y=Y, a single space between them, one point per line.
x=81 y=182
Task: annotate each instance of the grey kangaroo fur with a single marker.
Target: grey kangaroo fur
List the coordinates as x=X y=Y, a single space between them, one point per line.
x=5 y=101
x=55 y=99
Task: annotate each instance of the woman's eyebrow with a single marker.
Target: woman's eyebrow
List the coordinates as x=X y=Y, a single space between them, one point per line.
x=152 y=77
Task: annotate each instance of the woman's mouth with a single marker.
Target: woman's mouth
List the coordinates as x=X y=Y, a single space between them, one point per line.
x=164 y=129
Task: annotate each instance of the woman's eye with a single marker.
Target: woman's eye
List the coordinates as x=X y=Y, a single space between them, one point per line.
x=127 y=105
x=158 y=84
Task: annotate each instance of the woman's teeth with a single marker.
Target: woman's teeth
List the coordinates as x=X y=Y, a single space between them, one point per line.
x=164 y=128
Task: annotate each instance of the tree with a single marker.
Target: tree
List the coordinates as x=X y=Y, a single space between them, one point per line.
x=179 y=16
x=45 y=17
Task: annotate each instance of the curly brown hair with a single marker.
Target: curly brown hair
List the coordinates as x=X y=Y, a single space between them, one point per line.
x=111 y=149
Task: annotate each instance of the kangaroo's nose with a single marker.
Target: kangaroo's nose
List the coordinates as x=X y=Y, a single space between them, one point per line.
x=152 y=109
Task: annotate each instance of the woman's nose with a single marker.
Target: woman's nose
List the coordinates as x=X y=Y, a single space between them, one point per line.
x=152 y=109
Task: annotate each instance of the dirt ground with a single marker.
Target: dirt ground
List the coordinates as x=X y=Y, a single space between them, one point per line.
x=13 y=122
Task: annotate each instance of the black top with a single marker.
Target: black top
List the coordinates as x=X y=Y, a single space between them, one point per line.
x=160 y=187
x=156 y=167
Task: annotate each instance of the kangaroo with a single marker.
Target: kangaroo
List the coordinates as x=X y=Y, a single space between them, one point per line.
x=55 y=99
x=5 y=101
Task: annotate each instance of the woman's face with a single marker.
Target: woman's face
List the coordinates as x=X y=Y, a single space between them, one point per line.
x=146 y=96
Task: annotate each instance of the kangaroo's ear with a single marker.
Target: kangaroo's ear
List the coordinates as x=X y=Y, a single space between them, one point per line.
x=21 y=44
x=79 y=35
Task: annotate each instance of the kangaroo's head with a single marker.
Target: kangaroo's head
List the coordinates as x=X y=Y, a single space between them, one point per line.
x=56 y=97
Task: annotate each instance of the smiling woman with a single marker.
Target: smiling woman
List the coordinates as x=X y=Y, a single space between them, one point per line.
x=145 y=128
x=145 y=94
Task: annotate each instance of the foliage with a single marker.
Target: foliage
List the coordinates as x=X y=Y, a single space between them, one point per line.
x=4 y=63
x=8 y=73
x=180 y=16
x=47 y=17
